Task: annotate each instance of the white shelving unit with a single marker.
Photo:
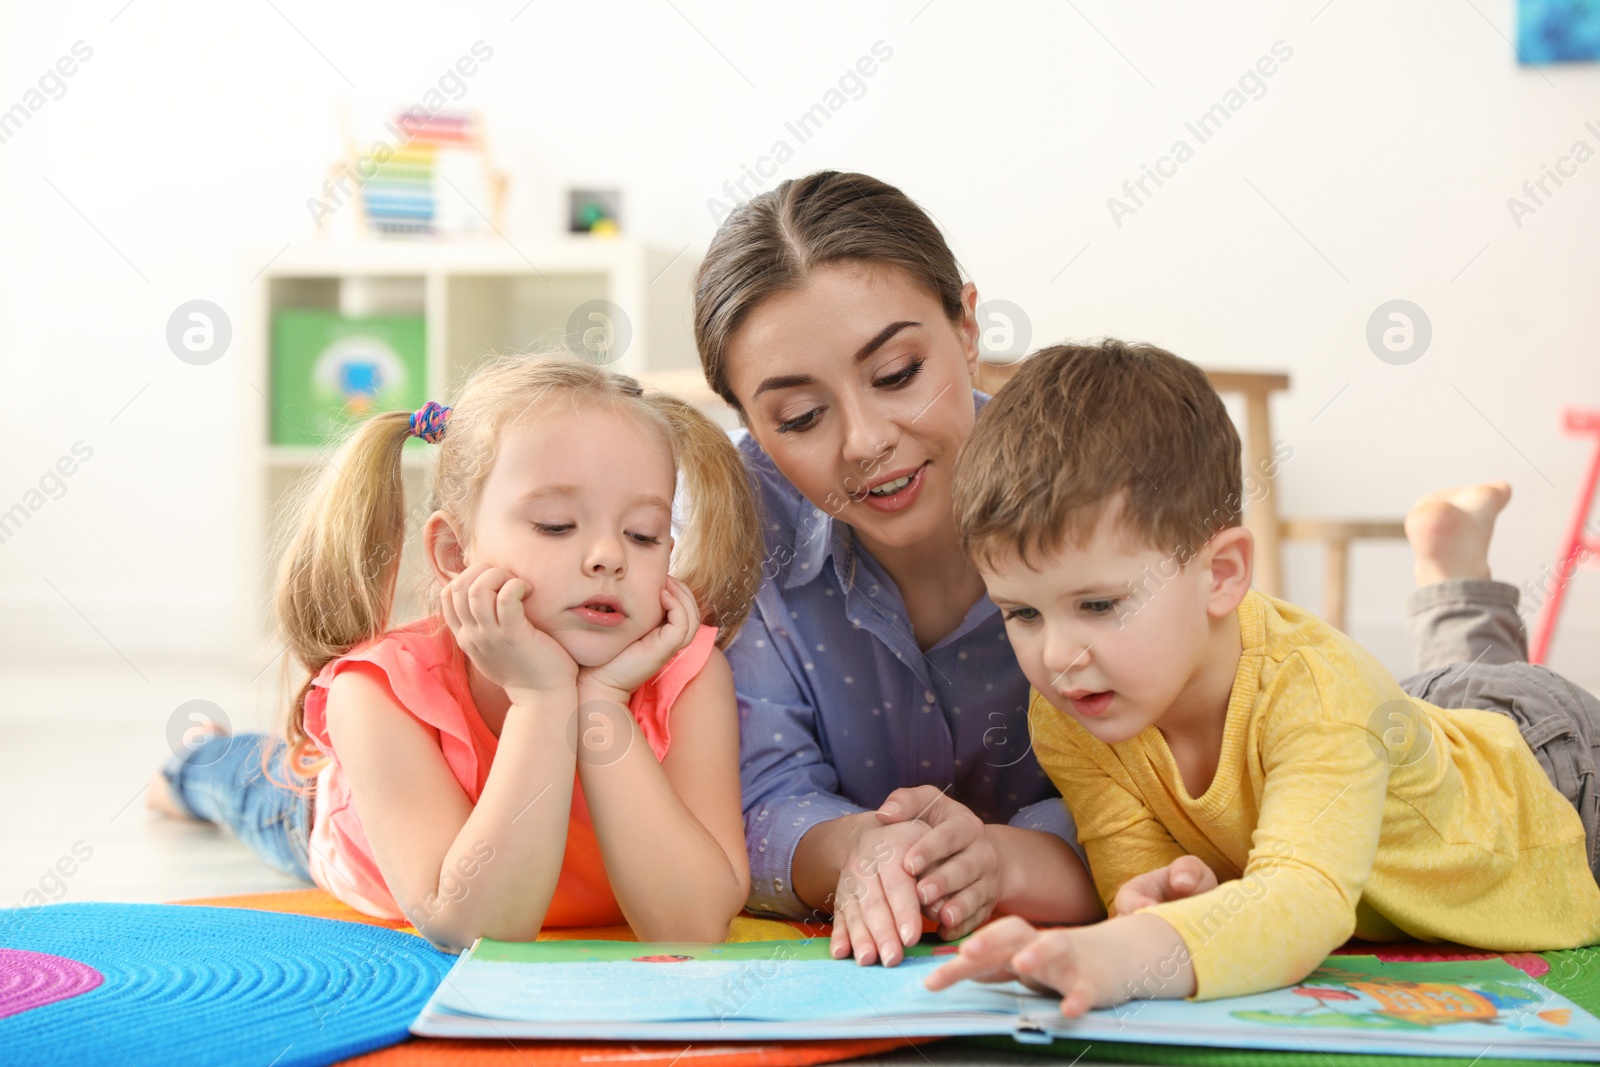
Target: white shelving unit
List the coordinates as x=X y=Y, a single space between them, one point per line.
x=478 y=299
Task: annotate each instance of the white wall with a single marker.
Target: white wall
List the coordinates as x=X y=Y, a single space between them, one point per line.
x=1376 y=165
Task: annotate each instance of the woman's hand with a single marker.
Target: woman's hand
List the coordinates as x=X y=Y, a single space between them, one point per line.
x=1185 y=876
x=875 y=908
x=956 y=863
x=640 y=661
x=483 y=608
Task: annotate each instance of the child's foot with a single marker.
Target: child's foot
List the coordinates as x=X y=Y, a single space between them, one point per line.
x=160 y=799
x=1449 y=531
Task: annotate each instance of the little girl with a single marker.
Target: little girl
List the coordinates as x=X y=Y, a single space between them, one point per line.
x=558 y=743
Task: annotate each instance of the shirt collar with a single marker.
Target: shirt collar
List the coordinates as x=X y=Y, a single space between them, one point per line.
x=816 y=537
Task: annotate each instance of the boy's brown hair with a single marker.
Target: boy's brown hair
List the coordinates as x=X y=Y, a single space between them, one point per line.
x=1081 y=427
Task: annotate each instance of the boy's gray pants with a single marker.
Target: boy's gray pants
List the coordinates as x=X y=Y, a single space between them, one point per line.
x=1472 y=653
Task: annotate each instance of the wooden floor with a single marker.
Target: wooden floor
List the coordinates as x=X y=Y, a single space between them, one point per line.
x=80 y=744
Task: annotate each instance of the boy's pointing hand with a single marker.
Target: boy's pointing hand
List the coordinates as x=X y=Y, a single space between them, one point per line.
x=1046 y=961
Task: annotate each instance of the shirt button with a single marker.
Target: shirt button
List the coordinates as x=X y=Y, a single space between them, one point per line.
x=928 y=696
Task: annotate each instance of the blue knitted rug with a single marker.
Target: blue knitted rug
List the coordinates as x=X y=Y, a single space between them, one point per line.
x=159 y=984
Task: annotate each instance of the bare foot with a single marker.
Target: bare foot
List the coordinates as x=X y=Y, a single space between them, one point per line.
x=1449 y=531
x=160 y=799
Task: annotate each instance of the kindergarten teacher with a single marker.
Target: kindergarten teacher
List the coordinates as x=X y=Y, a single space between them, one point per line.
x=886 y=766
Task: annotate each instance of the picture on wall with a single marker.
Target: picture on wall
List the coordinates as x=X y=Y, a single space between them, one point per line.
x=1558 y=31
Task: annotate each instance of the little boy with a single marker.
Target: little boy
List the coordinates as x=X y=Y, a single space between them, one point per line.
x=1251 y=786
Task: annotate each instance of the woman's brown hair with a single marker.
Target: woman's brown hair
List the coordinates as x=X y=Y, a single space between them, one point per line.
x=773 y=242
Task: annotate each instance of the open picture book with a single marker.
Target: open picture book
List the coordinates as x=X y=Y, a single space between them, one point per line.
x=772 y=990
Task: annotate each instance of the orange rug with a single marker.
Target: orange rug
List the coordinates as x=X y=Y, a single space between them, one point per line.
x=434 y=1052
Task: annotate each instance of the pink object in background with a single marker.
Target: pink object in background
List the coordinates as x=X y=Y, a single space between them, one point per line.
x=1579 y=547
x=34 y=979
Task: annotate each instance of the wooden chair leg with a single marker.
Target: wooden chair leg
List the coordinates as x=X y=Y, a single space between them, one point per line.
x=1261 y=516
x=1335 y=573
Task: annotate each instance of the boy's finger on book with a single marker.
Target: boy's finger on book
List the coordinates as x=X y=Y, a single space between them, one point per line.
x=1000 y=940
x=957 y=970
x=993 y=964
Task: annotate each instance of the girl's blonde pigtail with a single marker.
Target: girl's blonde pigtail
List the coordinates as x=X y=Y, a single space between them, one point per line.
x=720 y=553
x=336 y=579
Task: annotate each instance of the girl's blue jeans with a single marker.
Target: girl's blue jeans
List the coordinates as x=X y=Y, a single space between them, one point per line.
x=221 y=780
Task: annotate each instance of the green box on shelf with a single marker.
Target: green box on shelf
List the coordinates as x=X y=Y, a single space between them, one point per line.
x=329 y=371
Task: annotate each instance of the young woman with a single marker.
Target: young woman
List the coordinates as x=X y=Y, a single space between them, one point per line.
x=885 y=760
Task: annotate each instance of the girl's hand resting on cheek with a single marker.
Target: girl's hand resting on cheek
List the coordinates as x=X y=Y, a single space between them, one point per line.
x=640 y=661
x=483 y=608
x=1185 y=876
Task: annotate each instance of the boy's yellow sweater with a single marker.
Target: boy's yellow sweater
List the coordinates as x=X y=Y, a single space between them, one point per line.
x=1340 y=807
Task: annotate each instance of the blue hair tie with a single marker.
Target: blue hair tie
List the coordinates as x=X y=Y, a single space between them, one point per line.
x=428 y=422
